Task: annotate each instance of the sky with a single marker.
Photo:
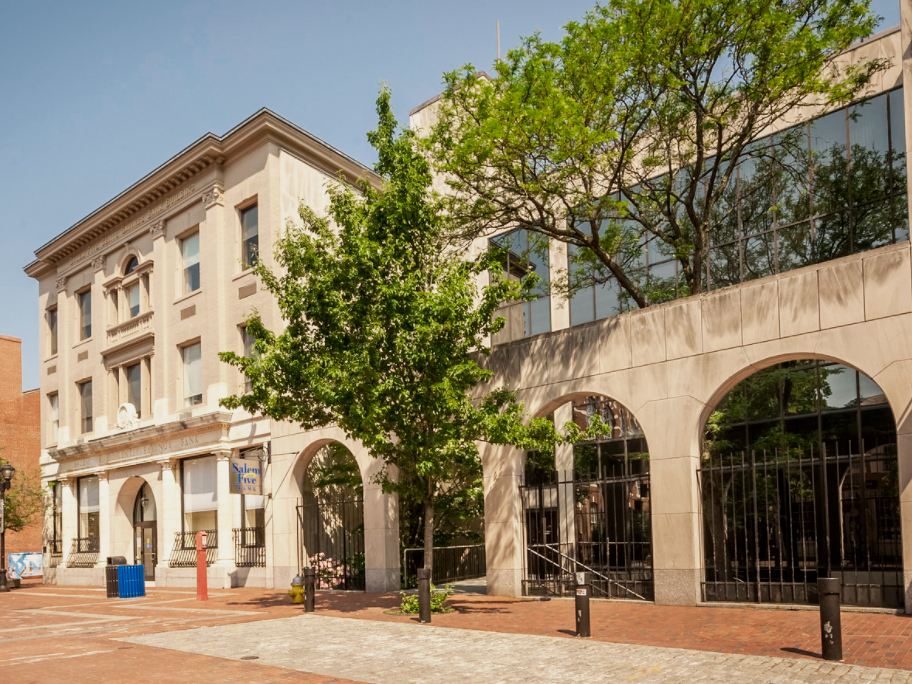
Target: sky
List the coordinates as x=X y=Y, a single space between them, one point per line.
x=96 y=95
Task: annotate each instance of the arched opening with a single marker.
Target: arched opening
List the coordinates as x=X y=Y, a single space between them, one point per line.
x=145 y=531
x=131 y=265
x=587 y=508
x=799 y=480
x=331 y=519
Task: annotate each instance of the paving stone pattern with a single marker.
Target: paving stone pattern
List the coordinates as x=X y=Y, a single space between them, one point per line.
x=396 y=653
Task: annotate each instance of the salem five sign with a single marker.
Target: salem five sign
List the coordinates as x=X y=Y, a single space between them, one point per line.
x=245 y=476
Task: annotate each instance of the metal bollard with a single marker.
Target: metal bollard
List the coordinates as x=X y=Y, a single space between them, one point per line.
x=309 y=591
x=830 y=622
x=582 y=605
x=424 y=595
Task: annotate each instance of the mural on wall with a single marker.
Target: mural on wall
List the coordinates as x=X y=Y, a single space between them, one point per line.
x=25 y=565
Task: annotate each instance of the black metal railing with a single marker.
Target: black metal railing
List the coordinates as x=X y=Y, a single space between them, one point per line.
x=777 y=520
x=249 y=547
x=332 y=541
x=451 y=564
x=600 y=526
x=183 y=554
x=83 y=553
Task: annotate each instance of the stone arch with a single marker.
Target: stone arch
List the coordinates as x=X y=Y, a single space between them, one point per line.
x=122 y=520
x=131 y=252
x=817 y=445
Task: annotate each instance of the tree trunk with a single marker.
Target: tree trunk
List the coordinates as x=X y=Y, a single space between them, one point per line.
x=429 y=536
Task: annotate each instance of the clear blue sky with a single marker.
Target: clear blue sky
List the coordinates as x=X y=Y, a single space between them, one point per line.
x=96 y=95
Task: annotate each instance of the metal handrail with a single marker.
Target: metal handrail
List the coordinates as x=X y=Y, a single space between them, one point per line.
x=582 y=565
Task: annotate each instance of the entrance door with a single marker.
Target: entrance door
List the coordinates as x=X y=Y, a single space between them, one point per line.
x=145 y=547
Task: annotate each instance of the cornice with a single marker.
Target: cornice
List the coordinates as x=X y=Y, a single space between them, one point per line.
x=176 y=176
x=143 y=435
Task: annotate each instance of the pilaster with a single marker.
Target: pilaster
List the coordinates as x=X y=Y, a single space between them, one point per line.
x=104 y=518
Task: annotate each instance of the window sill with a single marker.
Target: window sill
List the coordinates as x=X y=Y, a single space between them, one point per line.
x=243 y=274
x=52 y=357
x=187 y=296
x=82 y=342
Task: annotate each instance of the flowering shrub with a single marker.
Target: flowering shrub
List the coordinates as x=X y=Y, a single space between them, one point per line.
x=327 y=573
x=409 y=604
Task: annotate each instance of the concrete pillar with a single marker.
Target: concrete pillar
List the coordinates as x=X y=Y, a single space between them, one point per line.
x=674 y=458
x=559 y=265
x=504 y=544
x=104 y=519
x=905 y=25
x=168 y=509
x=565 y=494
x=227 y=505
x=70 y=516
x=381 y=534
x=281 y=511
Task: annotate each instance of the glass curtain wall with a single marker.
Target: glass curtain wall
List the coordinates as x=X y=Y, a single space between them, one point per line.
x=818 y=191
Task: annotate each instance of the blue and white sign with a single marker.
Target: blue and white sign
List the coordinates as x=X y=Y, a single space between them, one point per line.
x=25 y=565
x=245 y=476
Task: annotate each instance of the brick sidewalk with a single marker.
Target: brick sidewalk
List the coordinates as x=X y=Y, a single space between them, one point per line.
x=49 y=630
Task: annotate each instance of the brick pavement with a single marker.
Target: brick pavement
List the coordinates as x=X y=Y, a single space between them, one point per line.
x=38 y=622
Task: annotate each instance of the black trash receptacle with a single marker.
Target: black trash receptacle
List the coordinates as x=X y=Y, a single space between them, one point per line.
x=111 y=583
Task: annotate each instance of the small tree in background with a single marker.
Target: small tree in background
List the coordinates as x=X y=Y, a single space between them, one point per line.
x=384 y=326
x=631 y=128
x=24 y=498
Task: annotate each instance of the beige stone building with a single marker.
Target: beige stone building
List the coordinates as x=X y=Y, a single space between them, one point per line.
x=798 y=356
x=136 y=301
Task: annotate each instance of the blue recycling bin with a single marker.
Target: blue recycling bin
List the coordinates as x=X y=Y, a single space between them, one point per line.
x=131 y=581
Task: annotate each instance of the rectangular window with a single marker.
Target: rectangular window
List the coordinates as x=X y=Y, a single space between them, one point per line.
x=193 y=374
x=250 y=236
x=200 y=497
x=249 y=350
x=134 y=386
x=85 y=406
x=52 y=330
x=191 y=263
x=84 y=300
x=88 y=507
x=55 y=418
x=525 y=252
x=132 y=294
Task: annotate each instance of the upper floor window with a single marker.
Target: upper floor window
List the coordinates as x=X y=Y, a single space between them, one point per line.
x=134 y=386
x=131 y=266
x=54 y=422
x=248 y=341
x=191 y=262
x=250 y=236
x=84 y=301
x=193 y=374
x=525 y=252
x=132 y=297
x=85 y=406
x=52 y=329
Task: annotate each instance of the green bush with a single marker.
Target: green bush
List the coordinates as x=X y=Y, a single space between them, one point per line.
x=409 y=605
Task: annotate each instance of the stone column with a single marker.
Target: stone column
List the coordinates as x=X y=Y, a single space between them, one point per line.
x=905 y=25
x=228 y=504
x=504 y=544
x=70 y=512
x=381 y=534
x=674 y=458
x=565 y=490
x=169 y=510
x=104 y=519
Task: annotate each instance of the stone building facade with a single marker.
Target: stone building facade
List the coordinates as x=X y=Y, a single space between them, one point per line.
x=136 y=301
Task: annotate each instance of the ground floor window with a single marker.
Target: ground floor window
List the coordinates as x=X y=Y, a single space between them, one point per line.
x=200 y=494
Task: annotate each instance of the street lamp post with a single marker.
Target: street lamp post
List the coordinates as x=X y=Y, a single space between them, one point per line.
x=6 y=475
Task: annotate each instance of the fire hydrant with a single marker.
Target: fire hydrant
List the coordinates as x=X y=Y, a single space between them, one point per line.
x=297 y=589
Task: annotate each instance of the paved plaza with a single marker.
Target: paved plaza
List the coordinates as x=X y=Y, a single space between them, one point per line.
x=54 y=633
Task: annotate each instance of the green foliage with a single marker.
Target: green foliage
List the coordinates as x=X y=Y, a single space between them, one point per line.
x=384 y=328
x=632 y=127
x=409 y=603
x=24 y=498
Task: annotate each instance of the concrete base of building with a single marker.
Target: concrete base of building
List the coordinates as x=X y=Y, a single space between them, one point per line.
x=80 y=577
x=505 y=582
x=676 y=587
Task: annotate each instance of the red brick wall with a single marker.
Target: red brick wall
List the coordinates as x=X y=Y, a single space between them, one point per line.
x=20 y=432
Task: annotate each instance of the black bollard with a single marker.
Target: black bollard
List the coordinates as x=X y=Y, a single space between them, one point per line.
x=830 y=623
x=582 y=605
x=309 y=590
x=424 y=595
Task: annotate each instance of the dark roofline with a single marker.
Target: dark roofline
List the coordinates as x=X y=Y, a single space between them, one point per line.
x=198 y=141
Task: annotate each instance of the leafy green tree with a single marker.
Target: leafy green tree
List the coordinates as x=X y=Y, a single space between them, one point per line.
x=23 y=499
x=384 y=329
x=630 y=129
